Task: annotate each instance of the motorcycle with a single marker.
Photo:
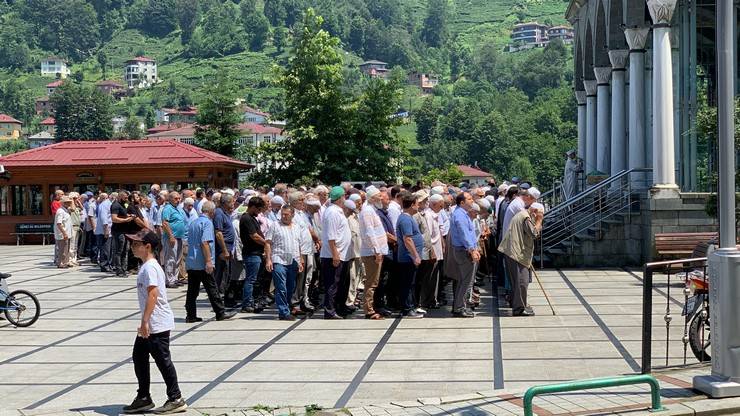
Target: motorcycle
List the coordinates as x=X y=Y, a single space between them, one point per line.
x=697 y=307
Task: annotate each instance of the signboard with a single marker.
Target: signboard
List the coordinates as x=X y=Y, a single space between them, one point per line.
x=33 y=228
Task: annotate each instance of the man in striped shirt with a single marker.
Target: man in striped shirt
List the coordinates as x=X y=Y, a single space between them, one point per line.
x=283 y=259
x=373 y=247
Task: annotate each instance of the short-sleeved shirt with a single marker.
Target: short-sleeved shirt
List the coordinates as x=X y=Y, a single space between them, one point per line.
x=118 y=209
x=200 y=231
x=175 y=219
x=134 y=211
x=335 y=227
x=285 y=242
x=62 y=218
x=103 y=215
x=248 y=226
x=151 y=274
x=222 y=222
x=91 y=211
x=407 y=226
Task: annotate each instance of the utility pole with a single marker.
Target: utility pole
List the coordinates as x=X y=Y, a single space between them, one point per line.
x=724 y=264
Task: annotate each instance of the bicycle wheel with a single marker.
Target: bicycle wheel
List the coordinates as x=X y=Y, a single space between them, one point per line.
x=22 y=308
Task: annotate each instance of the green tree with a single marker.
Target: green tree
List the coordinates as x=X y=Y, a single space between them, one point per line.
x=78 y=76
x=68 y=27
x=256 y=25
x=12 y=146
x=82 y=113
x=16 y=100
x=219 y=34
x=149 y=118
x=434 y=31
x=426 y=120
x=103 y=62
x=280 y=38
x=132 y=128
x=160 y=17
x=188 y=16
x=218 y=118
x=450 y=174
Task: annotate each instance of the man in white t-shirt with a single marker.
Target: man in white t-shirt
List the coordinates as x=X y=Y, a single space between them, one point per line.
x=153 y=337
x=336 y=238
x=63 y=232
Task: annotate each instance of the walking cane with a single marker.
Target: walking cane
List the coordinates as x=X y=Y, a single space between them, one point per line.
x=543 y=289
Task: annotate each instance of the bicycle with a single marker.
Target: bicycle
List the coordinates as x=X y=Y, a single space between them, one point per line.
x=17 y=303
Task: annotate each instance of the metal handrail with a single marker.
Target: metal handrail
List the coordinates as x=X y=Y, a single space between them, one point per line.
x=601 y=185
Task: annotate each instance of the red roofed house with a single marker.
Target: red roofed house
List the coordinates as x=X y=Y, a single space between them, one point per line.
x=253 y=115
x=111 y=88
x=52 y=86
x=140 y=72
x=183 y=115
x=49 y=125
x=474 y=176
x=10 y=128
x=103 y=166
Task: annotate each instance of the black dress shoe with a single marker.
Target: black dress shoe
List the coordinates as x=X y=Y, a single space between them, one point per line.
x=193 y=320
x=463 y=314
x=335 y=316
x=225 y=316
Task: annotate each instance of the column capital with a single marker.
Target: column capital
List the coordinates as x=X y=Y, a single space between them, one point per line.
x=602 y=74
x=636 y=37
x=661 y=11
x=618 y=58
x=590 y=86
x=581 y=97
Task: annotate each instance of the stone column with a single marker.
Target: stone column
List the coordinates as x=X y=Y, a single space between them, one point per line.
x=581 y=99
x=603 y=116
x=618 y=60
x=664 y=172
x=589 y=162
x=636 y=38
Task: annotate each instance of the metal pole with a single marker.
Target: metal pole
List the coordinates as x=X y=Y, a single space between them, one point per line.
x=647 y=320
x=725 y=116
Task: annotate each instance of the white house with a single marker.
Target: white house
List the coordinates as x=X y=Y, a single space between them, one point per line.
x=253 y=115
x=55 y=66
x=40 y=139
x=140 y=72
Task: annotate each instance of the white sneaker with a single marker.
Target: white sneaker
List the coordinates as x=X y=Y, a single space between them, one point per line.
x=421 y=310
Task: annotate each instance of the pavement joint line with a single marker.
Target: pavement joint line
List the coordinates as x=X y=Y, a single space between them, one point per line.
x=604 y=327
x=35 y=278
x=656 y=289
x=362 y=372
x=228 y=373
x=103 y=372
x=498 y=356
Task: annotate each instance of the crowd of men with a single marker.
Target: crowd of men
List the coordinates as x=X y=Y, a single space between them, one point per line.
x=385 y=250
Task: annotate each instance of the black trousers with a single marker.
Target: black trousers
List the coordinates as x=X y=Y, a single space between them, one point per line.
x=222 y=274
x=426 y=284
x=158 y=346
x=406 y=280
x=195 y=278
x=379 y=298
x=332 y=277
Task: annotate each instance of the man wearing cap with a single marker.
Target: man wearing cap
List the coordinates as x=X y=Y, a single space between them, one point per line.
x=463 y=253
x=121 y=220
x=91 y=208
x=173 y=231
x=429 y=299
x=283 y=259
x=336 y=238
x=354 y=271
x=572 y=167
x=308 y=237
x=410 y=246
x=518 y=249
x=224 y=240
x=276 y=203
x=63 y=232
x=74 y=238
x=373 y=247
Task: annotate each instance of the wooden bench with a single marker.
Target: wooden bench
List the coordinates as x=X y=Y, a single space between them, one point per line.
x=22 y=230
x=680 y=244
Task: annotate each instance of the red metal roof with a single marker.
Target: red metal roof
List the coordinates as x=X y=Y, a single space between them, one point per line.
x=48 y=121
x=469 y=171
x=4 y=118
x=166 y=127
x=118 y=153
x=141 y=59
x=54 y=84
x=248 y=109
x=256 y=128
x=189 y=131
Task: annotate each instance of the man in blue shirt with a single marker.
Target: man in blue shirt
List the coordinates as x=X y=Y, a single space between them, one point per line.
x=200 y=265
x=225 y=236
x=173 y=231
x=410 y=245
x=463 y=253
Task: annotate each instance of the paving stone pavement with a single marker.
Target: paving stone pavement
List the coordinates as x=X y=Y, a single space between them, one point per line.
x=76 y=358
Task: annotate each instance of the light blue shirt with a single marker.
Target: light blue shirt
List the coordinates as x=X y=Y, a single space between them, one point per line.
x=104 y=217
x=462 y=230
x=200 y=231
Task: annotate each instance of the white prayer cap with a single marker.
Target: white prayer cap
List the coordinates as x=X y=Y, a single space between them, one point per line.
x=503 y=188
x=248 y=192
x=491 y=198
x=475 y=207
x=538 y=206
x=228 y=191
x=570 y=152
x=371 y=191
x=271 y=194
x=355 y=197
x=277 y=200
x=483 y=202
x=313 y=202
x=534 y=192
x=436 y=198
x=321 y=188
x=350 y=204
x=188 y=201
x=438 y=190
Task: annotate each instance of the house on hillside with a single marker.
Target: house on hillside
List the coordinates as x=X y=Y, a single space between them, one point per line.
x=375 y=69
x=182 y=115
x=43 y=106
x=564 y=33
x=52 y=86
x=10 y=128
x=535 y=35
x=111 y=88
x=49 y=125
x=253 y=115
x=40 y=139
x=426 y=82
x=140 y=72
x=474 y=176
x=55 y=66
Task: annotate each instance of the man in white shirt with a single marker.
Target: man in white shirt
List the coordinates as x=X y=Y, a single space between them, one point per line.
x=394 y=208
x=373 y=247
x=91 y=211
x=283 y=259
x=336 y=239
x=308 y=240
x=63 y=232
x=431 y=255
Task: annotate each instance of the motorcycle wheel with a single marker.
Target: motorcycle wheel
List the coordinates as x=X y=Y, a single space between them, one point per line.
x=700 y=350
